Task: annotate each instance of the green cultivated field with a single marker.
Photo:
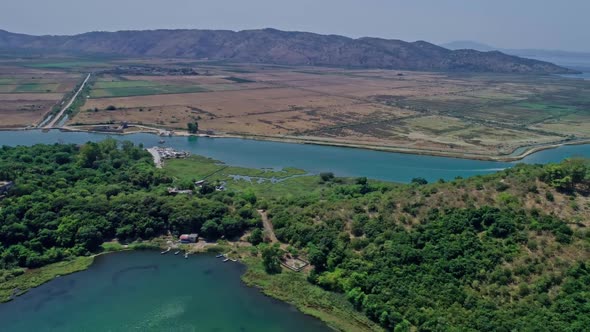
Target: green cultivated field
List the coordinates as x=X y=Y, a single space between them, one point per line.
x=7 y=80
x=37 y=87
x=123 y=84
x=108 y=89
x=66 y=64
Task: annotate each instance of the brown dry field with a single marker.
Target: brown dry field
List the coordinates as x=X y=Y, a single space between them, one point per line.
x=473 y=113
x=28 y=94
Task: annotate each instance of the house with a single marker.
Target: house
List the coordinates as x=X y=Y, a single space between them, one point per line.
x=188 y=238
x=5 y=186
x=199 y=183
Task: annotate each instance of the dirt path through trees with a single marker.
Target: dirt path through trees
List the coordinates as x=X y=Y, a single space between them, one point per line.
x=268 y=226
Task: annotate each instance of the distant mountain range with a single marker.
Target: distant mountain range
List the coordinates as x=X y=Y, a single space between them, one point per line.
x=279 y=47
x=576 y=60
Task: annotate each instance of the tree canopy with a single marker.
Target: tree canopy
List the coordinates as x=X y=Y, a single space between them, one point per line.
x=67 y=200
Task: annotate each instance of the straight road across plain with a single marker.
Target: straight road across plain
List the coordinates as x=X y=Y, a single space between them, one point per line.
x=59 y=115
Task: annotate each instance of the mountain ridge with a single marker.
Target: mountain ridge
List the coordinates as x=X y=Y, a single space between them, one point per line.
x=576 y=60
x=274 y=46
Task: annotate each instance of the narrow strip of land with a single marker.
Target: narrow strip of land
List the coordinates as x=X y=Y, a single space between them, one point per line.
x=59 y=115
x=156 y=155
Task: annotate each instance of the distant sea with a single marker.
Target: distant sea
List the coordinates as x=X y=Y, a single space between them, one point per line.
x=580 y=63
x=585 y=75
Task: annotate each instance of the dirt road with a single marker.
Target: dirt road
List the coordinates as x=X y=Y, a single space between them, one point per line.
x=268 y=226
x=156 y=155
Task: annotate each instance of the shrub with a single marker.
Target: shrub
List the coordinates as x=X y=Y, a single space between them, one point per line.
x=501 y=186
x=326 y=176
x=549 y=196
x=419 y=181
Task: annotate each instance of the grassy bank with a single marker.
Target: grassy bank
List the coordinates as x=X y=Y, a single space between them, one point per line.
x=17 y=282
x=293 y=288
x=265 y=183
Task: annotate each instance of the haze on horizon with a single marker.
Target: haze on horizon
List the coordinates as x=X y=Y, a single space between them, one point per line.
x=541 y=24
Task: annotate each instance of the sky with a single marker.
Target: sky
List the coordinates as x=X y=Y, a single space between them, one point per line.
x=543 y=24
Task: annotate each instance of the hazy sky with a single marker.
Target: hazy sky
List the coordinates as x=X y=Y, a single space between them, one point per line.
x=549 y=24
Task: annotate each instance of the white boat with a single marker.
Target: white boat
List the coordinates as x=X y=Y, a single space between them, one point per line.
x=225 y=260
x=185 y=255
x=178 y=252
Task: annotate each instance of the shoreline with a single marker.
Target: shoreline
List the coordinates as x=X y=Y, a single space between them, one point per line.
x=331 y=320
x=528 y=150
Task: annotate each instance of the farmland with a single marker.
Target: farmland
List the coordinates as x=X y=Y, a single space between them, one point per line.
x=28 y=94
x=455 y=114
x=460 y=114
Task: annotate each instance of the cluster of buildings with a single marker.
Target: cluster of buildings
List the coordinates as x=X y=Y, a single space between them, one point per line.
x=169 y=153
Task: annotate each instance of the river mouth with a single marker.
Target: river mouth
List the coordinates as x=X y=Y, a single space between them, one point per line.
x=146 y=291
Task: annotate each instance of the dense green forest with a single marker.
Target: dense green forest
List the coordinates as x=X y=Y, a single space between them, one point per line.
x=504 y=252
x=436 y=258
x=67 y=200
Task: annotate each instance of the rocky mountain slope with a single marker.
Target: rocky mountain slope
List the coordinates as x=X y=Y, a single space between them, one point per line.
x=278 y=47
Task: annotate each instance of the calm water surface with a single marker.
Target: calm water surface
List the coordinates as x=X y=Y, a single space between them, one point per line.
x=387 y=166
x=146 y=291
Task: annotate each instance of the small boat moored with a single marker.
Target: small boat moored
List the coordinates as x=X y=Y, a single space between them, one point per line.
x=177 y=252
